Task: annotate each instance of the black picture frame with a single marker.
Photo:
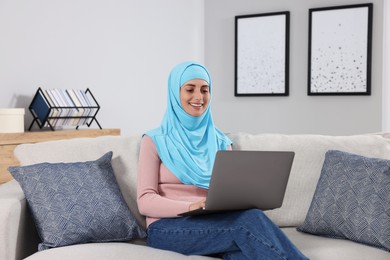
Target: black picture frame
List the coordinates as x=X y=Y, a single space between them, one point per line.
x=340 y=43
x=262 y=54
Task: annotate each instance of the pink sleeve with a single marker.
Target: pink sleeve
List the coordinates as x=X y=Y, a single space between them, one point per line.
x=150 y=203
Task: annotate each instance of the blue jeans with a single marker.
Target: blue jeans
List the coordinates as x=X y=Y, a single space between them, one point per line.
x=248 y=234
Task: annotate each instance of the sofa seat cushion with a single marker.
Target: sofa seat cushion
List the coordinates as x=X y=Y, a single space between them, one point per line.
x=323 y=248
x=104 y=251
x=314 y=247
x=309 y=157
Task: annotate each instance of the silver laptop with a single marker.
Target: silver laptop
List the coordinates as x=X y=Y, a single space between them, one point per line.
x=247 y=179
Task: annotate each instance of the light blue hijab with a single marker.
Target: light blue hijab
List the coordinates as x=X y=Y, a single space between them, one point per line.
x=186 y=144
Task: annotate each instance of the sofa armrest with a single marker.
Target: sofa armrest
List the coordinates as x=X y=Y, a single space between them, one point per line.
x=18 y=236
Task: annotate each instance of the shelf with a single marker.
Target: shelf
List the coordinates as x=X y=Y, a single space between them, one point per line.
x=58 y=107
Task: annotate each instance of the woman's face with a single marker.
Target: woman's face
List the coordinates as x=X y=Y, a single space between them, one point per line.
x=195 y=96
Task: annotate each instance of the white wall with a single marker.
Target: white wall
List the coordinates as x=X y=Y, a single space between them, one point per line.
x=122 y=50
x=386 y=68
x=297 y=113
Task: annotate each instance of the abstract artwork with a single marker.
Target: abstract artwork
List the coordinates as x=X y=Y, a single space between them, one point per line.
x=340 y=50
x=262 y=54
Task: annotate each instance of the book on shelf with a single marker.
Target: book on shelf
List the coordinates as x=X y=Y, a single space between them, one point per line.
x=61 y=105
x=42 y=110
x=64 y=107
x=54 y=111
x=79 y=94
x=79 y=113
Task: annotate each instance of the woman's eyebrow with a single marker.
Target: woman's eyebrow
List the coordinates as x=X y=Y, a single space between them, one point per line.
x=194 y=85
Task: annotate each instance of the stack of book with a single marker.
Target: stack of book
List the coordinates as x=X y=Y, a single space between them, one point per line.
x=63 y=107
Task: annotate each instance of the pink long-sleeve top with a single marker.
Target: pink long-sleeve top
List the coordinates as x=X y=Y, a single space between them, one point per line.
x=159 y=193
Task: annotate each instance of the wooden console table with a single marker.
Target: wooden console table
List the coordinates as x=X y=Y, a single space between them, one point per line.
x=8 y=142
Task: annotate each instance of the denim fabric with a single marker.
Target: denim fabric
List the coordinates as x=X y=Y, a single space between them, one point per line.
x=245 y=234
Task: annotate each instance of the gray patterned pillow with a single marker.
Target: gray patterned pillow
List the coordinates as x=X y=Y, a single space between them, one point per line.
x=76 y=203
x=352 y=200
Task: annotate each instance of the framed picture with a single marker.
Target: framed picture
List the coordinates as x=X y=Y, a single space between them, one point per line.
x=340 y=41
x=262 y=54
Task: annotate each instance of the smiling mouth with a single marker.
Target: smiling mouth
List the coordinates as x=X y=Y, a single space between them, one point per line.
x=196 y=105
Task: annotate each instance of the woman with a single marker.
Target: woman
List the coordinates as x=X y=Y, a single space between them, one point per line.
x=175 y=166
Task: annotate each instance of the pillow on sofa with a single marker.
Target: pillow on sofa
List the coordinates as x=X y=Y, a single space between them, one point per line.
x=351 y=200
x=76 y=203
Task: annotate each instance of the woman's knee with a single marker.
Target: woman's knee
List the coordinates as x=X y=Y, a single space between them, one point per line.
x=253 y=217
x=253 y=214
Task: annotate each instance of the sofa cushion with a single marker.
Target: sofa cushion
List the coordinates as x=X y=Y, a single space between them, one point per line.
x=124 y=161
x=309 y=157
x=324 y=248
x=352 y=200
x=104 y=251
x=76 y=202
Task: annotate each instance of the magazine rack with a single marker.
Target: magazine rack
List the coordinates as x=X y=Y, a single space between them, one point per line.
x=55 y=107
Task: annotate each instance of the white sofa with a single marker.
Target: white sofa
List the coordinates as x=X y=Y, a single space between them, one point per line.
x=18 y=237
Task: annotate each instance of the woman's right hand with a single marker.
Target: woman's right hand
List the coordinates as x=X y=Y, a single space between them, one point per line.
x=197 y=205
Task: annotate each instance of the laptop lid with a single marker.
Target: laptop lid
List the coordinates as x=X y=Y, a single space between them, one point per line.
x=247 y=179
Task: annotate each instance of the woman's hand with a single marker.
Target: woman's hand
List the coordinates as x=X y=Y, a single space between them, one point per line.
x=197 y=205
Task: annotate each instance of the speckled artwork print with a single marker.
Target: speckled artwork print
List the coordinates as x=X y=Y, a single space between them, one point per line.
x=261 y=55
x=339 y=51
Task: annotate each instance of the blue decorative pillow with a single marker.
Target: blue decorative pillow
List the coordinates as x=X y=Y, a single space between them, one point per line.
x=75 y=203
x=352 y=200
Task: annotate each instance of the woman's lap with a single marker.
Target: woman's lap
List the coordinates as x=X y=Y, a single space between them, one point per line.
x=230 y=232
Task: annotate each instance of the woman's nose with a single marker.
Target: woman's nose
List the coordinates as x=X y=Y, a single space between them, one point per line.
x=198 y=95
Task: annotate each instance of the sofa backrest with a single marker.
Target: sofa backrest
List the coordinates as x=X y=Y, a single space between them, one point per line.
x=309 y=156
